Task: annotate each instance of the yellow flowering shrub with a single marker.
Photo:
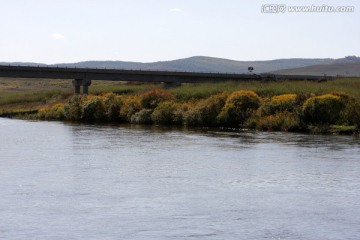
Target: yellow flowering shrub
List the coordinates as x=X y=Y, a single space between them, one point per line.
x=239 y=106
x=325 y=109
x=281 y=103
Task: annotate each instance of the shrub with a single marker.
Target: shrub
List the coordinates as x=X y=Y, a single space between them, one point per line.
x=252 y=121
x=239 y=106
x=343 y=96
x=351 y=114
x=42 y=113
x=73 y=109
x=165 y=113
x=55 y=112
x=180 y=112
x=93 y=110
x=129 y=106
x=355 y=119
x=205 y=112
x=325 y=109
x=281 y=103
x=112 y=106
x=193 y=117
x=153 y=97
x=281 y=121
x=142 y=117
x=302 y=97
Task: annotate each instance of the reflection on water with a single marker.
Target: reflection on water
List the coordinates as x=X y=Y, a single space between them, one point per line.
x=66 y=181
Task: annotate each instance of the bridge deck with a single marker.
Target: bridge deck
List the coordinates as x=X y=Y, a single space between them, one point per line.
x=135 y=75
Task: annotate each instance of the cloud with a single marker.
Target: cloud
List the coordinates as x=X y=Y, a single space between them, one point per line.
x=58 y=36
x=175 y=10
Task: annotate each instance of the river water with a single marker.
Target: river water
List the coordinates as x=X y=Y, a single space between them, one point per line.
x=66 y=181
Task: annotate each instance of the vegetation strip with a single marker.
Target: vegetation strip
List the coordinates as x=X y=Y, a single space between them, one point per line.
x=284 y=106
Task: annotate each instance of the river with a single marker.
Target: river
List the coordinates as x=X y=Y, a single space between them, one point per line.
x=67 y=181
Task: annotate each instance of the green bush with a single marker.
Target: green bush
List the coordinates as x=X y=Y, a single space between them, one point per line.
x=73 y=109
x=129 y=106
x=112 y=106
x=345 y=98
x=152 y=98
x=205 y=112
x=180 y=113
x=325 y=109
x=164 y=113
x=355 y=116
x=55 y=112
x=239 y=106
x=281 y=121
x=281 y=103
x=113 y=112
x=351 y=114
x=142 y=117
x=93 y=110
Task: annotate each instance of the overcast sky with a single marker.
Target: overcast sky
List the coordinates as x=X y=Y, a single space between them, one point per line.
x=55 y=31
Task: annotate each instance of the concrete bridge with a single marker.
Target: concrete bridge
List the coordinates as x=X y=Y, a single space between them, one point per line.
x=84 y=76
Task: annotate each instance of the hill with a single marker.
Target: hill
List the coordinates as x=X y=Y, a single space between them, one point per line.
x=204 y=64
x=342 y=69
x=24 y=64
x=210 y=64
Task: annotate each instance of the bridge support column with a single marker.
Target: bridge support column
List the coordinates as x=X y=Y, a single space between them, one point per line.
x=77 y=83
x=85 y=83
x=167 y=85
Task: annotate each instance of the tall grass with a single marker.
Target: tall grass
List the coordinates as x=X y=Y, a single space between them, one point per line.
x=122 y=88
x=186 y=92
x=28 y=97
x=350 y=86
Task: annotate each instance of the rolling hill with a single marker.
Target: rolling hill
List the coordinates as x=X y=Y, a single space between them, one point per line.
x=341 y=69
x=319 y=66
x=204 y=64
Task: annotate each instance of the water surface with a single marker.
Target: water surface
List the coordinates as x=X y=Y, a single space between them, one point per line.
x=65 y=181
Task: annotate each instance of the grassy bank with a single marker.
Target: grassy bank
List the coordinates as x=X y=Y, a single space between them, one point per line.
x=19 y=96
x=331 y=106
x=347 y=85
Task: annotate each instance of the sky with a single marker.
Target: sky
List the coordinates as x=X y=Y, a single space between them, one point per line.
x=64 y=31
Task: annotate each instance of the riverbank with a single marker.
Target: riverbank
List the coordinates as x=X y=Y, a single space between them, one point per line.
x=293 y=106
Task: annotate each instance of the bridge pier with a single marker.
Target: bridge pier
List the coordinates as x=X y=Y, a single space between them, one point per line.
x=76 y=83
x=85 y=83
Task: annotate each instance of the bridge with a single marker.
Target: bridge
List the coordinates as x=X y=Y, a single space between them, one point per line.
x=84 y=76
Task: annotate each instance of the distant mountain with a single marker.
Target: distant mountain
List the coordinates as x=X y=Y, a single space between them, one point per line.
x=23 y=64
x=210 y=64
x=342 y=69
x=204 y=64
